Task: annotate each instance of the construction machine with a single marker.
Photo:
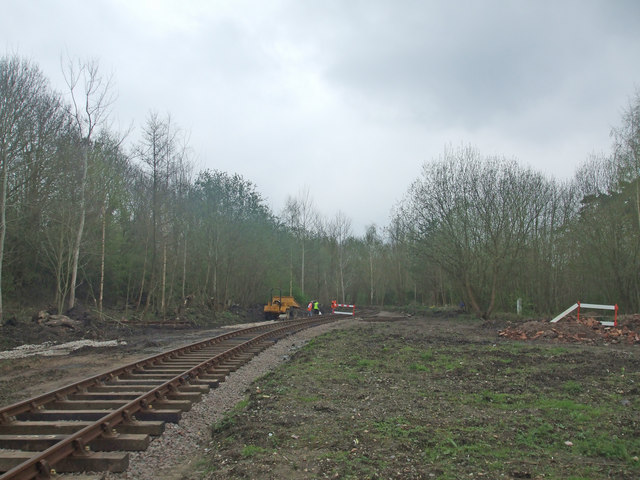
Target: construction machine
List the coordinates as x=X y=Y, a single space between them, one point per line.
x=280 y=306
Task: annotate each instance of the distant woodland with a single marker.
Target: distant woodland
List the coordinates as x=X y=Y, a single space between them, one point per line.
x=87 y=217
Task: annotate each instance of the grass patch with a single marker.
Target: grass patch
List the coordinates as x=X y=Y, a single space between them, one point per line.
x=229 y=418
x=252 y=450
x=572 y=387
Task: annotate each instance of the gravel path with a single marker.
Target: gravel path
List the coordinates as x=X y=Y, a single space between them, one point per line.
x=174 y=452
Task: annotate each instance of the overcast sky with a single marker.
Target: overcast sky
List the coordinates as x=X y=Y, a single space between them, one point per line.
x=350 y=97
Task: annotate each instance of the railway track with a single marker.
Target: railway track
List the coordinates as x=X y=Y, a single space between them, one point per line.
x=91 y=425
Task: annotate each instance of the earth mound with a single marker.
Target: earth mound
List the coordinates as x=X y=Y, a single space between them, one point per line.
x=572 y=329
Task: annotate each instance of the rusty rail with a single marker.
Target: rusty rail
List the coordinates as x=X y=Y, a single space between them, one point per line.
x=75 y=445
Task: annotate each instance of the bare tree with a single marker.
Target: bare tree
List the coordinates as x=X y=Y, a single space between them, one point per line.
x=91 y=99
x=339 y=232
x=373 y=243
x=627 y=148
x=291 y=214
x=109 y=176
x=302 y=217
x=472 y=216
x=157 y=151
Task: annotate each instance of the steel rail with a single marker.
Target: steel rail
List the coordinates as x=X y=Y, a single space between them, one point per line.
x=40 y=466
x=33 y=403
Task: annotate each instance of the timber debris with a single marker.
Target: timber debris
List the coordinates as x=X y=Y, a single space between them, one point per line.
x=573 y=330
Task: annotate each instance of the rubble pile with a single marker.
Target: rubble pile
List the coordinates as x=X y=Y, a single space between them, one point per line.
x=585 y=330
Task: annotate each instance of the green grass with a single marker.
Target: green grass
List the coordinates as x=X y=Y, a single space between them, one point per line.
x=572 y=387
x=229 y=418
x=252 y=450
x=374 y=404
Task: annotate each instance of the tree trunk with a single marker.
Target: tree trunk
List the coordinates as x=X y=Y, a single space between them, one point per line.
x=144 y=274
x=371 y=277
x=341 y=277
x=472 y=296
x=61 y=274
x=291 y=271
x=164 y=280
x=184 y=267
x=302 y=272
x=3 y=222
x=102 y=255
x=492 y=300
x=82 y=206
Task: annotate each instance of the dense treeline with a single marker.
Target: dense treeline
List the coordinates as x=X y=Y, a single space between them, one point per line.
x=486 y=231
x=85 y=216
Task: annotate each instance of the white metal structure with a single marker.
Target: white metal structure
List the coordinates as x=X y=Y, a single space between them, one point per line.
x=591 y=305
x=344 y=305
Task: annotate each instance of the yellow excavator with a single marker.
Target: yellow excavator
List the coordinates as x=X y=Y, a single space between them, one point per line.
x=280 y=306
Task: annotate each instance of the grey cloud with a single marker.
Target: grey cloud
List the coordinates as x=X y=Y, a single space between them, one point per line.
x=463 y=62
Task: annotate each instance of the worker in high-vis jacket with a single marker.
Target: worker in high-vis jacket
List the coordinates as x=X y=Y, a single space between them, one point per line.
x=316 y=307
x=310 y=308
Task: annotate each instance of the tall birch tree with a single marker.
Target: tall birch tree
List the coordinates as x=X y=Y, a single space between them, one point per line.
x=91 y=100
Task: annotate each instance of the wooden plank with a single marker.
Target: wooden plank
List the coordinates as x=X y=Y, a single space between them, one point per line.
x=10 y=459
x=30 y=443
x=53 y=415
x=38 y=443
x=150 y=427
x=43 y=427
x=106 y=395
x=184 y=405
x=211 y=382
x=145 y=376
x=95 y=462
x=167 y=415
x=143 y=388
x=68 y=427
x=116 y=462
x=191 y=396
x=86 y=404
x=126 y=442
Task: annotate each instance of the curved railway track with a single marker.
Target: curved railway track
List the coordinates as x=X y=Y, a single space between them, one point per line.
x=91 y=425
